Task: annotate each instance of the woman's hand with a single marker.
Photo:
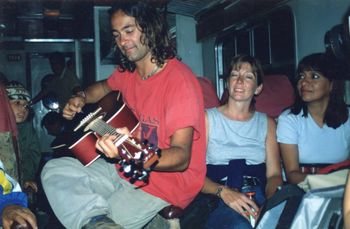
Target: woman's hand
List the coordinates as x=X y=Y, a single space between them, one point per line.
x=239 y=202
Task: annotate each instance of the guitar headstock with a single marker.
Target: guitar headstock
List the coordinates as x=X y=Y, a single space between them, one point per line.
x=138 y=166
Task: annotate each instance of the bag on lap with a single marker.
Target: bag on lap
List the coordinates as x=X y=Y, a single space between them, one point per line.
x=319 y=207
x=279 y=210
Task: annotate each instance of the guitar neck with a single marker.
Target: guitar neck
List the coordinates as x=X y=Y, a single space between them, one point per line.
x=102 y=128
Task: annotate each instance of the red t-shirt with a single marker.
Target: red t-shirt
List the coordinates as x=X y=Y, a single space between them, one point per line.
x=168 y=101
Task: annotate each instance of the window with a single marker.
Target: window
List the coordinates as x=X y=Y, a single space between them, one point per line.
x=261 y=43
x=269 y=38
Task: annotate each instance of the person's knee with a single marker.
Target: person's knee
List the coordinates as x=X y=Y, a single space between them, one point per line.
x=52 y=165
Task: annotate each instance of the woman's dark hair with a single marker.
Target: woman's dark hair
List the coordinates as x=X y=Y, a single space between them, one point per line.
x=237 y=62
x=337 y=111
x=154 y=30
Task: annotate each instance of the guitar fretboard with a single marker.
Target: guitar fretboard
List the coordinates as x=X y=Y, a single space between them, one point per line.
x=102 y=128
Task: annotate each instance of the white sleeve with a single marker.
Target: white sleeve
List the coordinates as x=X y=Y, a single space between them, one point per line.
x=287 y=128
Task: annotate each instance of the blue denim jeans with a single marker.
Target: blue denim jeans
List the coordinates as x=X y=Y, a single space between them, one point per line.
x=225 y=217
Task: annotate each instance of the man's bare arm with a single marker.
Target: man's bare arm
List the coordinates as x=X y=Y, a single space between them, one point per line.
x=92 y=94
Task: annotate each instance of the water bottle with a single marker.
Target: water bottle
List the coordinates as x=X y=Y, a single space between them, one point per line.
x=249 y=189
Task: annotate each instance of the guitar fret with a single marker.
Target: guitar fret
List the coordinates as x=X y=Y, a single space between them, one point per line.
x=102 y=128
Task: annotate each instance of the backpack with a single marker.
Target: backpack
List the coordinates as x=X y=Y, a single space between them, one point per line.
x=319 y=207
x=279 y=210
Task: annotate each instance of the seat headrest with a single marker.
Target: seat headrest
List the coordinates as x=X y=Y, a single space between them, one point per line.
x=209 y=93
x=277 y=94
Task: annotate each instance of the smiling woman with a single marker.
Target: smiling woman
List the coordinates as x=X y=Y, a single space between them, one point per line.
x=241 y=149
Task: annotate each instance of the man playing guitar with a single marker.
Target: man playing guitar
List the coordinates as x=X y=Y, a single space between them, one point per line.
x=166 y=98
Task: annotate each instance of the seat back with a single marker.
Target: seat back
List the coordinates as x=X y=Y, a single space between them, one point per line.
x=209 y=94
x=277 y=95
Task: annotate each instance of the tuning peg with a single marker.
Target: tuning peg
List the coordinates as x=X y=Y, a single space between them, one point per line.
x=132 y=180
x=145 y=142
x=158 y=152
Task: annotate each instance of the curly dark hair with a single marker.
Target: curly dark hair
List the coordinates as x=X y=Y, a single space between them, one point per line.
x=154 y=32
x=337 y=111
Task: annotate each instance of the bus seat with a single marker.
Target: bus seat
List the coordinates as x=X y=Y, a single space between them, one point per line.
x=277 y=94
x=211 y=99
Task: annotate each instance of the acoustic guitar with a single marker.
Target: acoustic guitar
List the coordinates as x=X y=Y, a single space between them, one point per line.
x=136 y=158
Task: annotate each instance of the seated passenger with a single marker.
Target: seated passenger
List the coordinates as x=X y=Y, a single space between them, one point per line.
x=28 y=140
x=13 y=202
x=316 y=130
x=61 y=129
x=62 y=84
x=241 y=142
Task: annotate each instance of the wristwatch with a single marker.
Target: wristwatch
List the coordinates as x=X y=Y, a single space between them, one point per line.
x=219 y=190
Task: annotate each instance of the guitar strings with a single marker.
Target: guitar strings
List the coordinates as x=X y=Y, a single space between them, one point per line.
x=103 y=128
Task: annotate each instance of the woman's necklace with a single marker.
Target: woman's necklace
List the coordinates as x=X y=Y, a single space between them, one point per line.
x=155 y=69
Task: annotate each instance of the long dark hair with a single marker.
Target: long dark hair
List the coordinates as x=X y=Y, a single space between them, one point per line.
x=337 y=111
x=154 y=32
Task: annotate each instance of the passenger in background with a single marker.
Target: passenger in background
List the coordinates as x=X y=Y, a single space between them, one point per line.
x=13 y=202
x=241 y=142
x=63 y=84
x=28 y=141
x=45 y=81
x=315 y=131
x=8 y=133
x=54 y=123
x=61 y=129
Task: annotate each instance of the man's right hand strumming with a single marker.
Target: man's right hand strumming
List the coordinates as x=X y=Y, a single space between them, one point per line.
x=73 y=106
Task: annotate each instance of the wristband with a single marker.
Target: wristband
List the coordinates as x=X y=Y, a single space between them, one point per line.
x=82 y=94
x=219 y=190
